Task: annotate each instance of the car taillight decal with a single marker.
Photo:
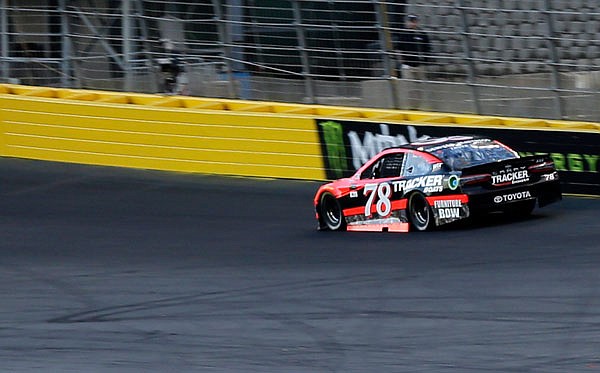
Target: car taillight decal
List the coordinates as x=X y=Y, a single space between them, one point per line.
x=542 y=167
x=475 y=179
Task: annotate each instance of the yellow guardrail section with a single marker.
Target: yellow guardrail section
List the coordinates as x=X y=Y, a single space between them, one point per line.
x=156 y=132
x=176 y=133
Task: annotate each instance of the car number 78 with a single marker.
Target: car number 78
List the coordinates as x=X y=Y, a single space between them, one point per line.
x=383 y=205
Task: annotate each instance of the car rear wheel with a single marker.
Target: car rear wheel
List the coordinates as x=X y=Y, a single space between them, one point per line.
x=331 y=213
x=419 y=212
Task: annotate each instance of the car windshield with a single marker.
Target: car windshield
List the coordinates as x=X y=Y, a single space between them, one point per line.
x=472 y=153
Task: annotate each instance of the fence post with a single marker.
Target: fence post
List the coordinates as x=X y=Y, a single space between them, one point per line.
x=126 y=36
x=551 y=39
x=5 y=39
x=387 y=46
x=65 y=62
x=147 y=49
x=225 y=42
x=308 y=82
x=471 y=73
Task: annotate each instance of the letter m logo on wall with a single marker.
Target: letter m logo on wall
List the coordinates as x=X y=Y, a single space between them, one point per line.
x=334 y=147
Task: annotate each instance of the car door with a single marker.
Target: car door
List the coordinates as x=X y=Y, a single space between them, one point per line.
x=371 y=194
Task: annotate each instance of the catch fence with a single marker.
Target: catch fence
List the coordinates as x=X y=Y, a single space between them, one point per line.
x=529 y=58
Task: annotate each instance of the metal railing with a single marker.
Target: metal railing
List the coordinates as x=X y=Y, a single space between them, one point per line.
x=531 y=58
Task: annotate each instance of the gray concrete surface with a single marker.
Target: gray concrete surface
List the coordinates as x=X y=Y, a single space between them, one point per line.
x=111 y=270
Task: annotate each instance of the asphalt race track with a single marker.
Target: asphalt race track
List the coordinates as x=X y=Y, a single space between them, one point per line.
x=113 y=270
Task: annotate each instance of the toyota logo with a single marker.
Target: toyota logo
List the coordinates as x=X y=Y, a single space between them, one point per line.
x=498 y=199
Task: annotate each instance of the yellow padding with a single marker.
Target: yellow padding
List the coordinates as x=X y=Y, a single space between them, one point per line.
x=478 y=121
x=156 y=151
x=320 y=111
x=204 y=105
x=386 y=116
x=41 y=92
x=336 y=112
x=228 y=141
x=170 y=164
x=259 y=108
x=524 y=122
x=168 y=102
x=83 y=96
x=116 y=99
x=194 y=134
x=166 y=121
x=300 y=111
x=161 y=134
x=574 y=125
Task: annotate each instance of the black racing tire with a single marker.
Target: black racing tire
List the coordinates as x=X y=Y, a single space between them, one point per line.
x=521 y=209
x=420 y=214
x=331 y=213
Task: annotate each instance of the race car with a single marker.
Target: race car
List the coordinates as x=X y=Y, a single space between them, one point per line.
x=434 y=182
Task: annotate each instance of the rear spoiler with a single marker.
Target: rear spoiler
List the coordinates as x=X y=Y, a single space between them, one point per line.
x=533 y=163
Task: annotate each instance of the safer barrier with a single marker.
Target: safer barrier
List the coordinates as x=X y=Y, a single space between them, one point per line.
x=264 y=139
x=156 y=132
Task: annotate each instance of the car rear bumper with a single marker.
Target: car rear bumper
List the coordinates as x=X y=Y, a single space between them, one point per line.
x=497 y=200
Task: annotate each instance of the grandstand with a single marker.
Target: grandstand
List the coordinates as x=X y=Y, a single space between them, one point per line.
x=530 y=58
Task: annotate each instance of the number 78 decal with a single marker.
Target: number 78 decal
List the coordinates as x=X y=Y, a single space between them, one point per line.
x=383 y=205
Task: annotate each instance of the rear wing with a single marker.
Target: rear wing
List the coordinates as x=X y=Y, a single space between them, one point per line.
x=533 y=163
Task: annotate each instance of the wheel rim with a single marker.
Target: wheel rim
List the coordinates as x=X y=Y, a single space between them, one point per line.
x=419 y=211
x=332 y=213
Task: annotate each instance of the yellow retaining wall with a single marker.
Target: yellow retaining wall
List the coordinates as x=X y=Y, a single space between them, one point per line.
x=36 y=123
x=176 y=133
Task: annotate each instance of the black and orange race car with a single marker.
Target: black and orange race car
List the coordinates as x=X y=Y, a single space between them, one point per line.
x=434 y=182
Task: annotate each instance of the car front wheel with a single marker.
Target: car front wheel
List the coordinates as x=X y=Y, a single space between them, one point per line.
x=331 y=213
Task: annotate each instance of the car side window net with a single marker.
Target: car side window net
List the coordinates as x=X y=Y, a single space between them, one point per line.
x=387 y=166
x=372 y=171
x=391 y=166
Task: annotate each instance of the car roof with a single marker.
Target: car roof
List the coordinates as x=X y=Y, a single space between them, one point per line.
x=434 y=143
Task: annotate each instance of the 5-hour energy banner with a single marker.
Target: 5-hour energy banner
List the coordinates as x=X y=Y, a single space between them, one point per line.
x=346 y=145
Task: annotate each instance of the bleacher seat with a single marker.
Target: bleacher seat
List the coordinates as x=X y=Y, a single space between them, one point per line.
x=517 y=30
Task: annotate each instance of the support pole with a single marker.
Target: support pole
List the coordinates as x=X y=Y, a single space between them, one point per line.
x=4 y=39
x=551 y=40
x=309 y=87
x=387 y=47
x=225 y=42
x=65 y=63
x=471 y=72
x=147 y=49
x=126 y=36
